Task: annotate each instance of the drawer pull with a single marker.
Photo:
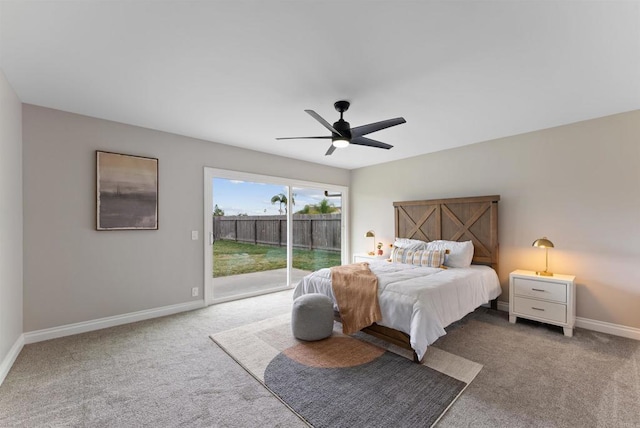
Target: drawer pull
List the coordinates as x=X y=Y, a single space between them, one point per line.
x=537 y=289
x=537 y=309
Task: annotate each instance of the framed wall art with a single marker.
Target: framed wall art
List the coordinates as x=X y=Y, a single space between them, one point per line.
x=126 y=192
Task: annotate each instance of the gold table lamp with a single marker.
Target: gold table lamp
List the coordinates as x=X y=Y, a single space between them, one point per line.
x=371 y=234
x=546 y=244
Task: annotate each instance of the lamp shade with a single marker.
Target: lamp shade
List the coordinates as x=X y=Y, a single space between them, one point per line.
x=542 y=243
x=371 y=234
x=546 y=244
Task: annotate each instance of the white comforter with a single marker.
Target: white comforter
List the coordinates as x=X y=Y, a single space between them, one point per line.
x=417 y=300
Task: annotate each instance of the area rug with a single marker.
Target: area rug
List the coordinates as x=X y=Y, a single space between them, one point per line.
x=348 y=380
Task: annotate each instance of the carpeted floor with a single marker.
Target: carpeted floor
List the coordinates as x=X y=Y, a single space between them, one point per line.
x=534 y=376
x=168 y=373
x=157 y=373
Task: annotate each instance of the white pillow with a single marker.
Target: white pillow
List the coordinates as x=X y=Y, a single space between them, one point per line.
x=460 y=253
x=415 y=244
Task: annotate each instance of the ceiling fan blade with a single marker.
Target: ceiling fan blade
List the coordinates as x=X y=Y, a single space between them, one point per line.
x=324 y=123
x=359 y=131
x=331 y=150
x=302 y=138
x=364 y=141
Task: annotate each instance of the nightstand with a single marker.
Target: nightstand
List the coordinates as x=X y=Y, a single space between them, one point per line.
x=548 y=299
x=364 y=257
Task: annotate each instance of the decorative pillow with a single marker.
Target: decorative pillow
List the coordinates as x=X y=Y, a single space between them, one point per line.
x=410 y=243
x=400 y=255
x=460 y=253
x=425 y=258
x=429 y=258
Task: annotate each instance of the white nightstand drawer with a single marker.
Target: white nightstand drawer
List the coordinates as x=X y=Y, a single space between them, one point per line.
x=541 y=289
x=537 y=308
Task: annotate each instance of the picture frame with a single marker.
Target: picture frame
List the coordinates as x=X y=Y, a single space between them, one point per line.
x=126 y=192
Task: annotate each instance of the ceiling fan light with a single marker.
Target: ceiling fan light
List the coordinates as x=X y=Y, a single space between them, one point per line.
x=340 y=143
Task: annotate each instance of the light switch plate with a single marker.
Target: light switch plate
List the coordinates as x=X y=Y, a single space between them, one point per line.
x=194 y=235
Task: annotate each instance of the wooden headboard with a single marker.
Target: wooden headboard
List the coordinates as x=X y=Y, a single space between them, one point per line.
x=455 y=219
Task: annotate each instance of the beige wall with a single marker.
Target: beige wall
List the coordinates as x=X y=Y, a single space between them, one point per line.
x=10 y=218
x=74 y=273
x=577 y=184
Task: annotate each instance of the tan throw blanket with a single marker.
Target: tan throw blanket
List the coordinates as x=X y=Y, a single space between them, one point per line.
x=356 y=290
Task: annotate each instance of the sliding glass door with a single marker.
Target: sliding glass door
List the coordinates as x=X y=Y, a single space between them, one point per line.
x=265 y=233
x=249 y=237
x=316 y=229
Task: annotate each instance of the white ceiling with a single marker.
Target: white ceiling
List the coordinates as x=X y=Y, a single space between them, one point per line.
x=242 y=72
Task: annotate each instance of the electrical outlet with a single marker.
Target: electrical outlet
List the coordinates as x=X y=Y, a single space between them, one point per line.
x=194 y=292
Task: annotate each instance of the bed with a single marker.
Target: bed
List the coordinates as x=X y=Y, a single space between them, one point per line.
x=418 y=302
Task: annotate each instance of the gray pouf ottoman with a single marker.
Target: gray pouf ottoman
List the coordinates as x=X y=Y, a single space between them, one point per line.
x=312 y=317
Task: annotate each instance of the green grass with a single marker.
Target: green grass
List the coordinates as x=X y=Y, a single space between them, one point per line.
x=234 y=258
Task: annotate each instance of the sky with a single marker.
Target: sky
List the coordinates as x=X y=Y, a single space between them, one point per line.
x=243 y=197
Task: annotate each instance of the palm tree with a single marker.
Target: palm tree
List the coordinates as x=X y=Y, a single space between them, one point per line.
x=281 y=198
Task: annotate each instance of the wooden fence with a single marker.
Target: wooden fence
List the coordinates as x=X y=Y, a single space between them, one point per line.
x=310 y=231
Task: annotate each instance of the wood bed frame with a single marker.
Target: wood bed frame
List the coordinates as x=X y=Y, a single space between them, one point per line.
x=455 y=219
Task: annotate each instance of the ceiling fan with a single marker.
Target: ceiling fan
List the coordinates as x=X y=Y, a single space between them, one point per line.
x=342 y=134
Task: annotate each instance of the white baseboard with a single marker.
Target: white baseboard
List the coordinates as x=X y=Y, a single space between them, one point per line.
x=10 y=358
x=609 y=328
x=85 y=326
x=503 y=306
x=594 y=325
